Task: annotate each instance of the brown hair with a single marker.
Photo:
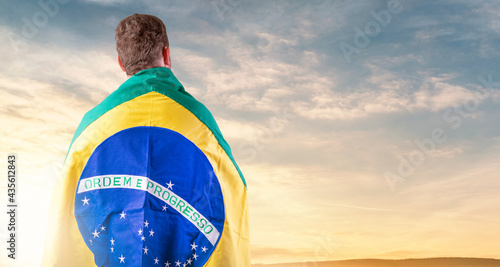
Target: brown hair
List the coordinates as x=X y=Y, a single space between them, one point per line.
x=140 y=40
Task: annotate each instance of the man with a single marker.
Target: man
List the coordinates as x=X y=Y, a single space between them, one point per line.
x=148 y=179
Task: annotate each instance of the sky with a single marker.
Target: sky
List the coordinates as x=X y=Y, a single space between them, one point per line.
x=364 y=129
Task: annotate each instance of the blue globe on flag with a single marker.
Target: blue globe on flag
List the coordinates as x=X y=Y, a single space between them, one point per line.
x=149 y=197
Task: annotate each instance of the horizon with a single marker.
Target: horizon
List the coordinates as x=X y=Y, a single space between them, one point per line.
x=363 y=130
x=381 y=260
x=402 y=259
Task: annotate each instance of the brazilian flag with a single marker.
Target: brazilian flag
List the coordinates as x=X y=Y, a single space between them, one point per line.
x=149 y=181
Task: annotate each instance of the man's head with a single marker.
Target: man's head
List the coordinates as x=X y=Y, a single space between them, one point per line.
x=142 y=43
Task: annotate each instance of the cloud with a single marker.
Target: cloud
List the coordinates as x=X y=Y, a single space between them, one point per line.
x=433 y=34
x=39 y=121
x=251 y=83
x=93 y=73
x=384 y=93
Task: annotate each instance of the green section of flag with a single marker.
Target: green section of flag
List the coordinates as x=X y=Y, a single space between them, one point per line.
x=163 y=81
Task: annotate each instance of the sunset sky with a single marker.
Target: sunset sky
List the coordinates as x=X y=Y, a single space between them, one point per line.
x=364 y=129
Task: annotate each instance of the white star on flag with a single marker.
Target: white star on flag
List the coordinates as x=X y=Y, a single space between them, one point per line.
x=86 y=201
x=164 y=207
x=122 y=215
x=194 y=246
x=167 y=264
x=143 y=238
x=112 y=241
x=177 y=263
x=146 y=224
x=112 y=249
x=195 y=256
x=151 y=233
x=103 y=228
x=204 y=249
x=145 y=250
x=156 y=260
x=140 y=231
x=96 y=234
x=122 y=259
x=170 y=185
x=90 y=241
x=189 y=261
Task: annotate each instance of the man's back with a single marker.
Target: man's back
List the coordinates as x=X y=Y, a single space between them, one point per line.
x=149 y=180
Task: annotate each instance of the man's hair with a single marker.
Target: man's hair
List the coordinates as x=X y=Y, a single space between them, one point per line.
x=140 y=40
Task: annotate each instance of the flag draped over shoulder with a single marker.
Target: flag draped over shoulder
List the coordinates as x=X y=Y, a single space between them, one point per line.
x=149 y=181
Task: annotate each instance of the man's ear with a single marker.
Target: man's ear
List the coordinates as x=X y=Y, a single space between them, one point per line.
x=120 y=63
x=166 y=57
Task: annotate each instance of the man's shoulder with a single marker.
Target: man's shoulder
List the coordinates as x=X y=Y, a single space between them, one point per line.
x=151 y=81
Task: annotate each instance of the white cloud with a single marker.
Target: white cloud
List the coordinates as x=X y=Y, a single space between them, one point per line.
x=433 y=33
x=39 y=122
x=92 y=73
x=265 y=84
x=397 y=60
x=250 y=83
x=385 y=92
